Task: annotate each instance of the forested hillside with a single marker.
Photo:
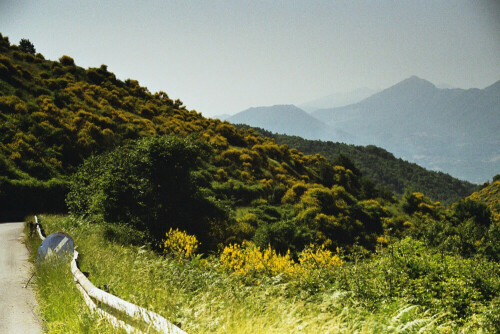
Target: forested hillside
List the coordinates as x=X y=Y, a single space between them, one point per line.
x=382 y=167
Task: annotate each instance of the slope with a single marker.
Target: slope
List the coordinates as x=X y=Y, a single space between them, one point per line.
x=490 y=195
x=55 y=115
x=383 y=168
x=133 y=157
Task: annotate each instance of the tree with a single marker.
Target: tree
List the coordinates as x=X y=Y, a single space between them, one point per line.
x=26 y=46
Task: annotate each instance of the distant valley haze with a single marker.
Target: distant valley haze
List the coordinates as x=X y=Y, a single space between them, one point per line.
x=451 y=130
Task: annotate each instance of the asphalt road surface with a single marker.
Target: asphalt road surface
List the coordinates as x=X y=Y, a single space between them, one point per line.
x=17 y=304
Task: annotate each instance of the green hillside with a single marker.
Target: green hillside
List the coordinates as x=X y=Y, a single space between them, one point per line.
x=383 y=168
x=55 y=115
x=490 y=195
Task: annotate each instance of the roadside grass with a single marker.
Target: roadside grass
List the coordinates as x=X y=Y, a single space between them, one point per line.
x=62 y=307
x=199 y=296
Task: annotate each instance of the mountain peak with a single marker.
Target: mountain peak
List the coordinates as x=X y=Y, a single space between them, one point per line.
x=278 y=107
x=288 y=119
x=407 y=89
x=416 y=82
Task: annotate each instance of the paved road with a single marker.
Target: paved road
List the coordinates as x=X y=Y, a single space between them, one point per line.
x=17 y=304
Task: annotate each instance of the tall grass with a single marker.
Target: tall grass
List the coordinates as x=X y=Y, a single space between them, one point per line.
x=61 y=304
x=62 y=307
x=200 y=297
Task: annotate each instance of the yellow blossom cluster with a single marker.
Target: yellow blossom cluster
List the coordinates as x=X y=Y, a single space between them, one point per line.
x=382 y=241
x=249 y=260
x=319 y=257
x=180 y=243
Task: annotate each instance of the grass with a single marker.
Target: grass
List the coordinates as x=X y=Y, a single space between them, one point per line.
x=61 y=305
x=201 y=297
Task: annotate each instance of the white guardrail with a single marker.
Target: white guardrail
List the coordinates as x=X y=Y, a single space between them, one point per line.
x=91 y=292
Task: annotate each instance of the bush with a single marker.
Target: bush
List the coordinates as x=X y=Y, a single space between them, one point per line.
x=149 y=185
x=469 y=209
x=421 y=275
x=283 y=235
x=67 y=61
x=180 y=244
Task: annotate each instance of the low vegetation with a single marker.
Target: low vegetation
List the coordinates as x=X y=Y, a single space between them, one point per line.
x=402 y=286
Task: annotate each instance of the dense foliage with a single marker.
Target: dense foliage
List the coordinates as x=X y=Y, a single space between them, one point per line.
x=490 y=195
x=148 y=185
x=158 y=183
x=54 y=115
x=403 y=287
x=383 y=167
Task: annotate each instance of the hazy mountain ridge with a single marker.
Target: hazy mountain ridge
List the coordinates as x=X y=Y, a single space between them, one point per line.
x=440 y=129
x=337 y=99
x=289 y=119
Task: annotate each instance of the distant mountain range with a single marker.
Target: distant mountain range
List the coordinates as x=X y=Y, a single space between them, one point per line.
x=338 y=99
x=454 y=130
x=450 y=130
x=289 y=119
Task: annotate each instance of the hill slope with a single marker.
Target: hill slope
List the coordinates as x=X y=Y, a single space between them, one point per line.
x=453 y=130
x=133 y=157
x=288 y=119
x=55 y=115
x=491 y=196
x=383 y=168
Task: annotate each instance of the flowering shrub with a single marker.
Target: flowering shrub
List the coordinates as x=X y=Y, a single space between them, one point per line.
x=249 y=260
x=318 y=257
x=180 y=243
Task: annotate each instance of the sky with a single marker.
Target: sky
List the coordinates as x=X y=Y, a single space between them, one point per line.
x=221 y=57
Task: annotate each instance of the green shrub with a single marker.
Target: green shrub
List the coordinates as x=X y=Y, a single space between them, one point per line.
x=26 y=46
x=67 y=61
x=469 y=209
x=283 y=235
x=148 y=184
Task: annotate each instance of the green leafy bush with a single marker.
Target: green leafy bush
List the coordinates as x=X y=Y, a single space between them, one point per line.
x=67 y=61
x=149 y=185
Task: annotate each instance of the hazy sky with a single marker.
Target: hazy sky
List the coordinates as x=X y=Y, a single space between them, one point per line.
x=226 y=56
